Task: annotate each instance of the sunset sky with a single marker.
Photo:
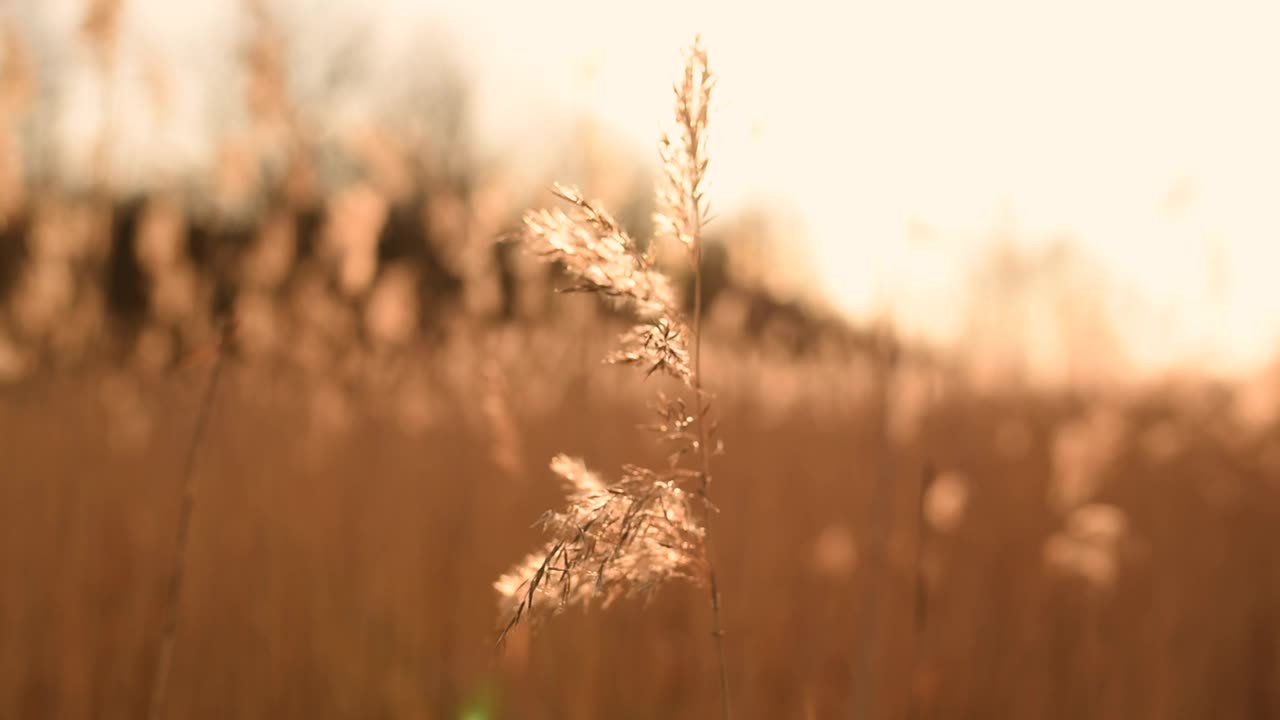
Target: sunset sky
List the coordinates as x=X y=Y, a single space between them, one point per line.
x=906 y=135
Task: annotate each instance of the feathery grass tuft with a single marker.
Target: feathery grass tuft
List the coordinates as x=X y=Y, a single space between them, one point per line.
x=628 y=537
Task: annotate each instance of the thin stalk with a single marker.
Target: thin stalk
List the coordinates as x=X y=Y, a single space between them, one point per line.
x=177 y=572
x=863 y=703
x=920 y=619
x=717 y=627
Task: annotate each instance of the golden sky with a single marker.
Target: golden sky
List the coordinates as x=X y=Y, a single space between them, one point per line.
x=909 y=134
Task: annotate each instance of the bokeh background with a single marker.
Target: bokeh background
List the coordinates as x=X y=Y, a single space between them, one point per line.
x=990 y=324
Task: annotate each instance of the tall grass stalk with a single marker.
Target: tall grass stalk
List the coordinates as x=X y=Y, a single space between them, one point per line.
x=186 y=513
x=629 y=537
x=880 y=522
x=916 y=698
x=704 y=448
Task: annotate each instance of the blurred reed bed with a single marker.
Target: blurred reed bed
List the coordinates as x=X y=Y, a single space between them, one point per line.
x=342 y=558
x=322 y=240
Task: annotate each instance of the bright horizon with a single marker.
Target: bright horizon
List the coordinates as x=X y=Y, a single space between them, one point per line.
x=904 y=135
x=907 y=134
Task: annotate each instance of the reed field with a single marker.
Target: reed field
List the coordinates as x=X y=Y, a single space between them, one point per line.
x=348 y=572
x=351 y=429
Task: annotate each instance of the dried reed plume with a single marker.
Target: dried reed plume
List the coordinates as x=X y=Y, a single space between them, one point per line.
x=626 y=538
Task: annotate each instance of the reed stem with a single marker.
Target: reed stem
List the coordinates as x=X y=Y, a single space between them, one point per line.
x=186 y=512
x=717 y=627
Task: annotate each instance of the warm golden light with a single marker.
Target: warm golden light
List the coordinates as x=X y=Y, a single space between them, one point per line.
x=914 y=137
x=581 y=359
x=910 y=139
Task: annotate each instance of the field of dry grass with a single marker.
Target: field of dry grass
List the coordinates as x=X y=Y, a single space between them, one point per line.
x=895 y=537
x=345 y=546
